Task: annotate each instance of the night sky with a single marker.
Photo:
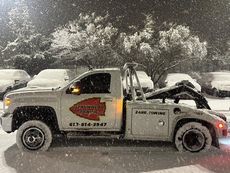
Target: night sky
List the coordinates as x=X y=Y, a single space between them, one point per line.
x=210 y=19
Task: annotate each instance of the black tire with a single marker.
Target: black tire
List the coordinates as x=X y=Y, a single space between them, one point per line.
x=34 y=136
x=193 y=137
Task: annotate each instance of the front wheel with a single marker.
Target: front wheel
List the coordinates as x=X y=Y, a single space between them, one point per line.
x=193 y=137
x=33 y=136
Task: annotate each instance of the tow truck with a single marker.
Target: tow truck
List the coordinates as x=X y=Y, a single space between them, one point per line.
x=96 y=104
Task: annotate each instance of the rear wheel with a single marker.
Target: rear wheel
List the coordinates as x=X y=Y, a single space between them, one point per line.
x=193 y=137
x=34 y=135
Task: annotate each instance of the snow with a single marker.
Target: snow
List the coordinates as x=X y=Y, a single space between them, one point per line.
x=52 y=73
x=173 y=78
x=4 y=84
x=6 y=140
x=220 y=80
x=54 y=83
x=188 y=169
x=13 y=74
x=101 y=156
x=52 y=78
x=144 y=79
x=8 y=77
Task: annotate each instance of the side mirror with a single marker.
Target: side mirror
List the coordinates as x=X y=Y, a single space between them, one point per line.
x=75 y=88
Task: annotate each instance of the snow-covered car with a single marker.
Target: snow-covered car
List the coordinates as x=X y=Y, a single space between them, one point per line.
x=11 y=79
x=181 y=78
x=216 y=83
x=52 y=78
x=145 y=81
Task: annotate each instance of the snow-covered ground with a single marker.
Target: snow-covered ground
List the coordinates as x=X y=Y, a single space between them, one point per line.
x=106 y=156
x=103 y=155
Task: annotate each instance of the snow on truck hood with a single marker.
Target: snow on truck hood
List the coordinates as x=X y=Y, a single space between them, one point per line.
x=28 y=90
x=32 y=89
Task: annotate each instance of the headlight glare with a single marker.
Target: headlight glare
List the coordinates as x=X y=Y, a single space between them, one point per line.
x=7 y=102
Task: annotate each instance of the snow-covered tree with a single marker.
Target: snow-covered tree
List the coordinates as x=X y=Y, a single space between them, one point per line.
x=1 y=62
x=89 y=39
x=19 y=20
x=159 y=50
x=27 y=41
x=226 y=57
x=36 y=43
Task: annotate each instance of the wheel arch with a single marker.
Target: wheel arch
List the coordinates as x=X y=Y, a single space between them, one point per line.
x=210 y=127
x=45 y=114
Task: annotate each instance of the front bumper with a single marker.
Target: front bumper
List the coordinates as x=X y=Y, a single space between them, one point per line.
x=6 y=122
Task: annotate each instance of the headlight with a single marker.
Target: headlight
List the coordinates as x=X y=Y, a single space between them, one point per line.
x=7 y=102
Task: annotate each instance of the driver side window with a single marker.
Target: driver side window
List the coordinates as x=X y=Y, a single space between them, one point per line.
x=96 y=83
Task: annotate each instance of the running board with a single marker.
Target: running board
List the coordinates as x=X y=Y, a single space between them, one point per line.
x=92 y=136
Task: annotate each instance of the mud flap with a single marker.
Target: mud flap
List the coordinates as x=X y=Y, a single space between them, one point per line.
x=216 y=143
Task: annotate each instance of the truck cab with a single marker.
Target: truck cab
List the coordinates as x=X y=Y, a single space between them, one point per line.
x=93 y=102
x=96 y=104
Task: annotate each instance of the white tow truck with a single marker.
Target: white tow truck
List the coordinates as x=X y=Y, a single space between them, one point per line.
x=96 y=104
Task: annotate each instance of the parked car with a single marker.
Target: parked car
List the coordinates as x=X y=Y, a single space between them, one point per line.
x=181 y=78
x=216 y=83
x=11 y=79
x=145 y=81
x=52 y=78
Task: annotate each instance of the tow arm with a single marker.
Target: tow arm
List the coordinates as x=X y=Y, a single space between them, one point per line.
x=177 y=93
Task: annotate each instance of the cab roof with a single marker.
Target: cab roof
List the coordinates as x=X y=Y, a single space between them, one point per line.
x=106 y=69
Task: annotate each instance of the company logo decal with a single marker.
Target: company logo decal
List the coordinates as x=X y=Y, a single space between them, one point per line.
x=90 y=109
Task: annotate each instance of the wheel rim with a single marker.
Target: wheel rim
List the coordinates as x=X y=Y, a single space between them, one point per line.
x=194 y=140
x=33 y=138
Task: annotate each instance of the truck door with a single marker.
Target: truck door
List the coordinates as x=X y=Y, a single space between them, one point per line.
x=94 y=108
